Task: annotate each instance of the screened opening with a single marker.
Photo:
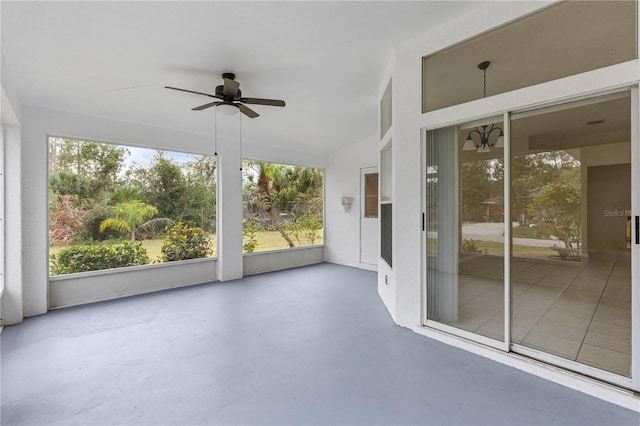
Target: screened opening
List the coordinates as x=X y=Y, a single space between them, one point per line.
x=113 y=206
x=283 y=206
x=562 y=40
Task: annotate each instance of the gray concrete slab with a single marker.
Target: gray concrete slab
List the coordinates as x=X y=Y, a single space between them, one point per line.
x=312 y=345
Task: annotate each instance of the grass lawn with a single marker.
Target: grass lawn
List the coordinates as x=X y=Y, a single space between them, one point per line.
x=497 y=249
x=530 y=232
x=272 y=240
x=267 y=240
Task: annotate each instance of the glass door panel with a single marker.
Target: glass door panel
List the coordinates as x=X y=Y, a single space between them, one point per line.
x=570 y=204
x=465 y=227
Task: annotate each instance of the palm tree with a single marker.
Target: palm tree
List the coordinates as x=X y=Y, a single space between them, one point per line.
x=264 y=171
x=130 y=217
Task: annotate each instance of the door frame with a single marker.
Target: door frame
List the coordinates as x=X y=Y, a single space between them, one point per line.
x=632 y=382
x=361 y=215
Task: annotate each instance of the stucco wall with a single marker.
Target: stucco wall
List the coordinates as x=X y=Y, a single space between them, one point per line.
x=342 y=178
x=408 y=158
x=409 y=122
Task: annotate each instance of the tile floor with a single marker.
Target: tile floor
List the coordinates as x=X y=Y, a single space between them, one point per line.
x=580 y=311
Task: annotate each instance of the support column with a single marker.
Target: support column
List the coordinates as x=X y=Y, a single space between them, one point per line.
x=12 y=300
x=229 y=200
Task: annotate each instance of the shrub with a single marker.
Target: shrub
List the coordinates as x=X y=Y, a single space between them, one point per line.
x=92 y=258
x=65 y=219
x=183 y=242
x=91 y=225
x=249 y=236
x=470 y=246
x=306 y=228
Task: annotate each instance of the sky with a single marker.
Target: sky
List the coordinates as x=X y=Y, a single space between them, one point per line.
x=144 y=156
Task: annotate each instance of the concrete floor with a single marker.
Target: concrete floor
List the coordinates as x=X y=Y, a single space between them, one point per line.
x=312 y=345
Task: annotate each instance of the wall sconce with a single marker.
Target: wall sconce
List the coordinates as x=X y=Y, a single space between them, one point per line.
x=346 y=203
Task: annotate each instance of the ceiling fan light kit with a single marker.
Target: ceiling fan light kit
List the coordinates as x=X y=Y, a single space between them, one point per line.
x=229 y=93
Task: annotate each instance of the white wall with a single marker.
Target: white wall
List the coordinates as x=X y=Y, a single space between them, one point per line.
x=11 y=300
x=275 y=260
x=408 y=199
x=408 y=122
x=88 y=287
x=12 y=309
x=342 y=179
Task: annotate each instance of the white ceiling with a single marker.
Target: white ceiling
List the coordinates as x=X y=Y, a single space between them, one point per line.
x=327 y=60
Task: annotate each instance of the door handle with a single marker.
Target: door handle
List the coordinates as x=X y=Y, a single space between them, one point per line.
x=637 y=229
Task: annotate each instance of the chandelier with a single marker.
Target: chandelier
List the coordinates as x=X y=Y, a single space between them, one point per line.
x=484 y=132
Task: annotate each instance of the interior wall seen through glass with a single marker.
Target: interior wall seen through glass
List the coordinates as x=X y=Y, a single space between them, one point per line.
x=562 y=40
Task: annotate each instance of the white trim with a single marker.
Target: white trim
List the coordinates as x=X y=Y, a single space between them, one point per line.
x=112 y=271
x=467 y=335
x=634 y=381
x=366 y=170
x=635 y=248
x=570 y=365
x=616 y=78
x=424 y=238
x=284 y=250
x=2 y=221
x=506 y=196
x=575 y=381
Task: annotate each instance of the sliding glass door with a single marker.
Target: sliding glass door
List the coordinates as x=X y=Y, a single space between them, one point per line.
x=532 y=252
x=465 y=227
x=571 y=261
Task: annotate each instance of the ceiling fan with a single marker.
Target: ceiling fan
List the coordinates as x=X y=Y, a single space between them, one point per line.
x=229 y=94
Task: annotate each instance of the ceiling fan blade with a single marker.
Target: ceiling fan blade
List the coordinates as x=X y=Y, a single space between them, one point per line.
x=248 y=111
x=190 y=91
x=230 y=87
x=258 y=101
x=205 y=106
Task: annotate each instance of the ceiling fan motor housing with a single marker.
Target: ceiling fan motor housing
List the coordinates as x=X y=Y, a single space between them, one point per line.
x=220 y=94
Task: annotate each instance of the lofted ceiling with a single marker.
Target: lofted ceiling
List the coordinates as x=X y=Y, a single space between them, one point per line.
x=327 y=60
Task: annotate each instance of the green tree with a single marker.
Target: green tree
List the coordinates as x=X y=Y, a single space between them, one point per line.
x=297 y=189
x=65 y=182
x=531 y=174
x=125 y=193
x=166 y=187
x=203 y=169
x=525 y=183
x=99 y=162
x=199 y=205
x=262 y=196
x=476 y=186
x=129 y=217
x=200 y=192
x=558 y=207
